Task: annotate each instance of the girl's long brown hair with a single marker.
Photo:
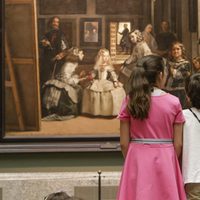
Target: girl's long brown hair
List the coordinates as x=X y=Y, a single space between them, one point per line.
x=141 y=83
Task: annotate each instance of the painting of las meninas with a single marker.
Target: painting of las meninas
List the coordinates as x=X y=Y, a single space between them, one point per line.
x=63 y=61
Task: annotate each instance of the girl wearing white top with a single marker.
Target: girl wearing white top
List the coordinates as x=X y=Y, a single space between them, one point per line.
x=191 y=140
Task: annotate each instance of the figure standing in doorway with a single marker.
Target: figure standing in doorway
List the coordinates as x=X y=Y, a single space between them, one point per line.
x=125 y=41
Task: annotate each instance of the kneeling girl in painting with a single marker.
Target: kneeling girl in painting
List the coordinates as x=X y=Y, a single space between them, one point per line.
x=62 y=95
x=151 y=122
x=105 y=93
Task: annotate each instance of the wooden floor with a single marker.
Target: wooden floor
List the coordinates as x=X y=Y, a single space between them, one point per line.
x=79 y=126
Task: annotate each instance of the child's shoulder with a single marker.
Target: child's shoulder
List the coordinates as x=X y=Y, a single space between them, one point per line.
x=171 y=97
x=171 y=100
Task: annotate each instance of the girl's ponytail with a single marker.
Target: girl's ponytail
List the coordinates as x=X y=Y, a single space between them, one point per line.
x=139 y=94
x=141 y=83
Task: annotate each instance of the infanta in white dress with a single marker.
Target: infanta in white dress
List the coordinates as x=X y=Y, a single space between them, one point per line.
x=104 y=95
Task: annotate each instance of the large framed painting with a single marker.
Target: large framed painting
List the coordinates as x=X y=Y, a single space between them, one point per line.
x=35 y=85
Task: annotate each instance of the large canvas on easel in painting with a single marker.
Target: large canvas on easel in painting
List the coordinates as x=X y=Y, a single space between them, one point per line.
x=21 y=64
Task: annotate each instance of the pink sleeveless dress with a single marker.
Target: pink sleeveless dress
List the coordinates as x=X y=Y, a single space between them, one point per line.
x=151 y=171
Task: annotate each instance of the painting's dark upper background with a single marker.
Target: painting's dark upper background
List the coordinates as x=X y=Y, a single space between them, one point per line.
x=48 y=7
x=118 y=7
x=105 y=7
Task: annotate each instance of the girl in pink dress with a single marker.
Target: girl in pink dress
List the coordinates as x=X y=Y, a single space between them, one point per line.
x=151 y=122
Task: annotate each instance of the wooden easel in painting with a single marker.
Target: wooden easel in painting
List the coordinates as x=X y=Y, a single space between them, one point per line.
x=12 y=84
